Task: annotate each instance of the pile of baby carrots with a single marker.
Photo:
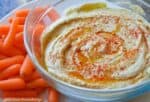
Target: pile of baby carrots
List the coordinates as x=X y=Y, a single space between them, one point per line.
x=18 y=76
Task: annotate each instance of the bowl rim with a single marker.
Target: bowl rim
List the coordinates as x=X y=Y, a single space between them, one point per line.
x=44 y=72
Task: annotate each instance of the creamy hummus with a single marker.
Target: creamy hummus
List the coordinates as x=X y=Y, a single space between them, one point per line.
x=98 y=48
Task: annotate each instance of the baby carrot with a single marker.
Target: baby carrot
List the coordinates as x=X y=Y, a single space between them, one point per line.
x=22 y=13
x=20 y=28
x=11 y=35
x=21 y=47
x=2 y=56
x=26 y=68
x=14 y=76
x=20 y=93
x=12 y=84
x=53 y=95
x=4 y=29
x=19 y=43
x=4 y=63
x=21 y=20
x=40 y=90
x=38 y=83
x=10 y=19
x=10 y=71
x=19 y=38
x=12 y=51
x=53 y=15
x=23 y=100
x=39 y=10
x=35 y=75
x=37 y=32
x=38 y=29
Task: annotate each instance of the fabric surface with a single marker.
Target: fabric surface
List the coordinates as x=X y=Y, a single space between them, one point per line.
x=7 y=5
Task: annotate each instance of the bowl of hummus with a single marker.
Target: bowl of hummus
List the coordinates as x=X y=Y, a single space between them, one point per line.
x=93 y=51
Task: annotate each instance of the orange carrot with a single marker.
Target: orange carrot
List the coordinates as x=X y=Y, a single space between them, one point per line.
x=14 y=76
x=2 y=56
x=11 y=35
x=4 y=29
x=53 y=95
x=38 y=83
x=53 y=15
x=12 y=84
x=19 y=38
x=39 y=10
x=10 y=19
x=35 y=75
x=37 y=33
x=20 y=28
x=20 y=93
x=4 y=63
x=11 y=51
x=22 y=13
x=40 y=90
x=19 y=43
x=35 y=99
x=39 y=29
x=20 y=46
x=2 y=37
x=26 y=68
x=10 y=71
x=21 y=20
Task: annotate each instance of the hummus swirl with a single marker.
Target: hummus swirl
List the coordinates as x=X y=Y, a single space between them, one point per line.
x=104 y=48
